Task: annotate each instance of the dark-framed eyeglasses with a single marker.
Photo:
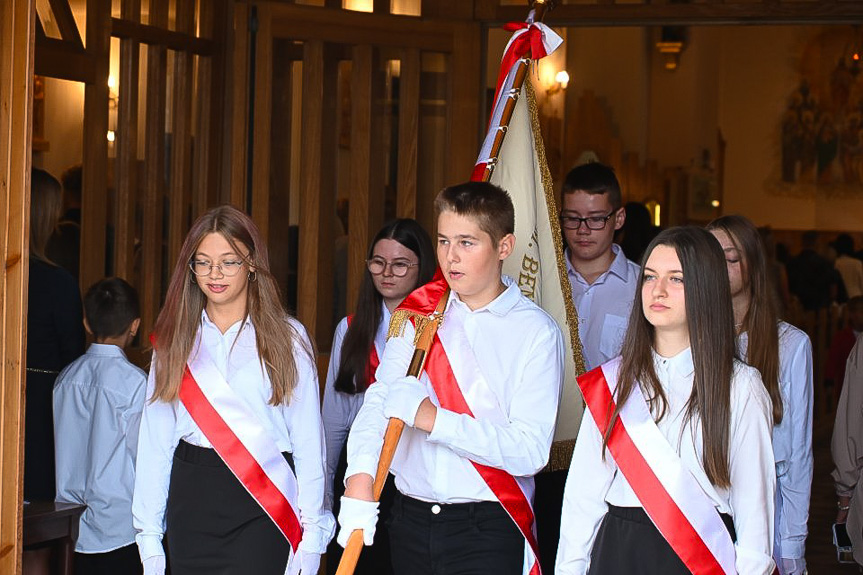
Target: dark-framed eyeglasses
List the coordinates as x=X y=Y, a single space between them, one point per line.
x=592 y=222
x=228 y=268
x=377 y=266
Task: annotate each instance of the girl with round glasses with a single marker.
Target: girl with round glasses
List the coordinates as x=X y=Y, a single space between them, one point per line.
x=400 y=259
x=783 y=355
x=230 y=465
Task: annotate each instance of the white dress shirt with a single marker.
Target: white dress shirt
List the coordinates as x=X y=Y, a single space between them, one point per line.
x=98 y=400
x=594 y=483
x=851 y=270
x=792 y=441
x=341 y=408
x=519 y=350
x=295 y=428
x=603 y=307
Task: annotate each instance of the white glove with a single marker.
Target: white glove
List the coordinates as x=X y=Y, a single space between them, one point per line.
x=793 y=566
x=154 y=565
x=357 y=514
x=403 y=400
x=303 y=562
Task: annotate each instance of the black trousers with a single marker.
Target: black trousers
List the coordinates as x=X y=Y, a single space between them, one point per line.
x=547 y=505
x=213 y=525
x=122 y=561
x=628 y=542
x=459 y=539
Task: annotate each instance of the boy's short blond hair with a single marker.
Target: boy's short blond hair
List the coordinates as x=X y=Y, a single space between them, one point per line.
x=486 y=203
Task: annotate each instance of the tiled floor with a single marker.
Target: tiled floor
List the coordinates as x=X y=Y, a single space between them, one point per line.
x=820 y=552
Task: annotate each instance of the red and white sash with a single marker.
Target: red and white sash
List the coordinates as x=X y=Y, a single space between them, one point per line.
x=672 y=498
x=374 y=357
x=242 y=442
x=461 y=387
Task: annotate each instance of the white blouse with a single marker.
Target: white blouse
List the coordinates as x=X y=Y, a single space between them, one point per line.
x=296 y=428
x=594 y=483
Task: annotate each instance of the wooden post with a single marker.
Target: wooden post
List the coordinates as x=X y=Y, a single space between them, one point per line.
x=16 y=100
x=408 y=145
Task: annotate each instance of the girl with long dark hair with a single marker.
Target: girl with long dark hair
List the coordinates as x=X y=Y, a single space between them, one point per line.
x=400 y=259
x=673 y=466
x=231 y=451
x=783 y=355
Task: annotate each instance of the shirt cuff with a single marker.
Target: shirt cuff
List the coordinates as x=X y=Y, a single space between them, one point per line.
x=363 y=463
x=445 y=426
x=149 y=546
x=789 y=549
x=316 y=537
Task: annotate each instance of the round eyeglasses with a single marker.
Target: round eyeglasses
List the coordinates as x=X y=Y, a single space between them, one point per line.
x=377 y=266
x=592 y=222
x=228 y=268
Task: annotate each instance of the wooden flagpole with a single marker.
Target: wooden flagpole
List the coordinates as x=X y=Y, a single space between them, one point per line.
x=354 y=546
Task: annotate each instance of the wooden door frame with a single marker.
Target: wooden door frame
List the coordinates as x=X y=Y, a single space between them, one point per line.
x=17 y=34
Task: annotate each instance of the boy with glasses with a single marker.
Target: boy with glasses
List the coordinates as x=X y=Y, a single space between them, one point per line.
x=603 y=280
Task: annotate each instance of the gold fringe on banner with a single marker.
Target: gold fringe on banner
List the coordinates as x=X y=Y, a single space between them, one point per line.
x=402 y=316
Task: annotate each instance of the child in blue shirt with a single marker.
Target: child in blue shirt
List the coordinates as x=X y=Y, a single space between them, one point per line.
x=98 y=400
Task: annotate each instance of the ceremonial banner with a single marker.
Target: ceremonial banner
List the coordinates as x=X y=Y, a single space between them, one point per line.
x=537 y=262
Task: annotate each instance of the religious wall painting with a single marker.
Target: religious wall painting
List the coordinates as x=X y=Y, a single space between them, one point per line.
x=821 y=128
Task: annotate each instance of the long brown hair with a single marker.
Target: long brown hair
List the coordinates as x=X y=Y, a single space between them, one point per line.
x=710 y=321
x=760 y=321
x=180 y=318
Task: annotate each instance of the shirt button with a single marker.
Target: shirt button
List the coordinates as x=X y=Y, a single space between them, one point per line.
x=435 y=509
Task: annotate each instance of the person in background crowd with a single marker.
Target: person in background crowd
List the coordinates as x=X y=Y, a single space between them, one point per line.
x=782 y=354
x=847 y=453
x=55 y=336
x=98 y=401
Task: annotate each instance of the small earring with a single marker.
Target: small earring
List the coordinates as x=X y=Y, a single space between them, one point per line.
x=253 y=275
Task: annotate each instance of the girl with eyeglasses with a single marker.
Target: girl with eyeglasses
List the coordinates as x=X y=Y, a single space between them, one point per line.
x=783 y=355
x=672 y=471
x=400 y=259
x=230 y=463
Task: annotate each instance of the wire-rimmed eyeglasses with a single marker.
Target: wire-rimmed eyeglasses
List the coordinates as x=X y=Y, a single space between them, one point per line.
x=228 y=268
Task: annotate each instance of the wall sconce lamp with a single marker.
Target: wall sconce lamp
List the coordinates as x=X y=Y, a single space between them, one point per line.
x=561 y=81
x=672 y=41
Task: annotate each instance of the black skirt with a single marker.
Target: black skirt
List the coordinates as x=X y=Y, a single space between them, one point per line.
x=213 y=525
x=628 y=542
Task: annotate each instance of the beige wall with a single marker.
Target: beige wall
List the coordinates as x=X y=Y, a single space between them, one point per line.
x=733 y=79
x=64 y=126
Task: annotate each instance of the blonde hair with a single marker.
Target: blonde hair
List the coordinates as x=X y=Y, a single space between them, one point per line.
x=46 y=205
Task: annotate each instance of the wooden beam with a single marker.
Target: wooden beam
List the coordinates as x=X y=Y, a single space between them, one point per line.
x=464 y=105
x=713 y=13
x=409 y=110
x=126 y=144
x=260 y=188
x=16 y=107
x=239 y=80
x=359 y=182
x=66 y=23
x=317 y=193
x=55 y=59
x=95 y=156
x=181 y=135
x=350 y=27
x=152 y=200
x=173 y=40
